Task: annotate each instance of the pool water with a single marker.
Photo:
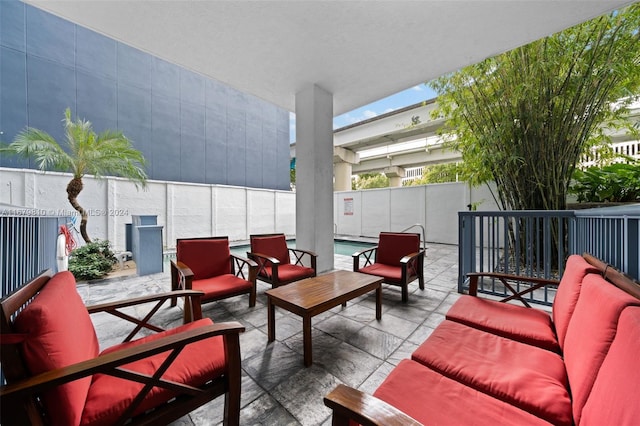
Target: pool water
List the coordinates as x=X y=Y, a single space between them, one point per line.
x=343 y=247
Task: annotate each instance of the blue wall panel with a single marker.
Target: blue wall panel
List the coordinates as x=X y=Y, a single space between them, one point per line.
x=188 y=127
x=236 y=151
x=51 y=88
x=192 y=88
x=95 y=53
x=254 y=155
x=13 y=100
x=192 y=154
x=134 y=117
x=165 y=134
x=50 y=37
x=12 y=25
x=133 y=66
x=97 y=101
x=165 y=78
x=216 y=155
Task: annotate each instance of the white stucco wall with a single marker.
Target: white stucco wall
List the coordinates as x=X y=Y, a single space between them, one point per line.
x=434 y=206
x=184 y=210
x=200 y=210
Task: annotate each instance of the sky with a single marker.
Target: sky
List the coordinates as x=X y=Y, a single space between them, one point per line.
x=402 y=99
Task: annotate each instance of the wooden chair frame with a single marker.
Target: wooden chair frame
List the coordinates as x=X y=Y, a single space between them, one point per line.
x=247 y=269
x=264 y=260
x=412 y=268
x=20 y=396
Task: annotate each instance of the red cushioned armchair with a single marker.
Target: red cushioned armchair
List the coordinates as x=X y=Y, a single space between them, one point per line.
x=56 y=373
x=207 y=265
x=397 y=258
x=271 y=253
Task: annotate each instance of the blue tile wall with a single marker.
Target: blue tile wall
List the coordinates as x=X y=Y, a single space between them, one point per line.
x=189 y=128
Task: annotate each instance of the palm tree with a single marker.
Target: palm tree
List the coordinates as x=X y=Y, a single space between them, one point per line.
x=88 y=153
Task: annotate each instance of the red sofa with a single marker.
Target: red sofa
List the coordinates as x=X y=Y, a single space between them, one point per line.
x=492 y=363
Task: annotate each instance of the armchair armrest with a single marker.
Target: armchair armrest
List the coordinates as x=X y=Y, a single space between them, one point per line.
x=112 y=362
x=238 y=264
x=299 y=255
x=504 y=279
x=351 y=404
x=408 y=258
x=368 y=257
x=192 y=309
x=262 y=258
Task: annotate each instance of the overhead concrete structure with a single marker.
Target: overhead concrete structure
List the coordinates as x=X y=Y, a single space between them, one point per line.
x=355 y=52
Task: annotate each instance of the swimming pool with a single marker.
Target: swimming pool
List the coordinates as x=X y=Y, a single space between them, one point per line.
x=344 y=247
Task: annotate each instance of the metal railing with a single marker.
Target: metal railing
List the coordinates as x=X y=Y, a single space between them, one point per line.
x=537 y=243
x=27 y=247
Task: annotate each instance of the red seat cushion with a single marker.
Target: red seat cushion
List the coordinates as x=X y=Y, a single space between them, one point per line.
x=590 y=333
x=528 y=377
x=205 y=257
x=272 y=246
x=198 y=363
x=433 y=399
x=526 y=325
x=289 y=272
x=568 y=291
x=59 y=333
x=614 y=397
x=221 y=286
x=388 y=272
x=394 y=246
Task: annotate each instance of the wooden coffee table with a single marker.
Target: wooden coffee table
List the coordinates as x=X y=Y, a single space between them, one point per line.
x=312 y=296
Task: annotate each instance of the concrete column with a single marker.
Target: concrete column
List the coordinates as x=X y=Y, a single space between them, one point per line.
x=314 y=173
x=395 y=175
x=342 y=161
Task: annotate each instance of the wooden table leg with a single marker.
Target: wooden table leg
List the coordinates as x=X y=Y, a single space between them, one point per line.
x=306 y=340
x=379 y=302
x=271 y=320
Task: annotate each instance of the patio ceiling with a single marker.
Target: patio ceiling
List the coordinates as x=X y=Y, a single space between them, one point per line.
x=360 y=51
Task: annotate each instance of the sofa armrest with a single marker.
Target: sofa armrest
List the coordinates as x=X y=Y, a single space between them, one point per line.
x=351 y=404
x=535 y=282
x=369 y=257
x=111 y=363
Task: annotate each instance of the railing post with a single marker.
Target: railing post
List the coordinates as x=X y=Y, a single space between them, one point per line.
x=466 y=247
x=632 y=261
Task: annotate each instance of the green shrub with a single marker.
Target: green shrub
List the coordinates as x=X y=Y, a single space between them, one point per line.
x=91 y=261
x=618 y=182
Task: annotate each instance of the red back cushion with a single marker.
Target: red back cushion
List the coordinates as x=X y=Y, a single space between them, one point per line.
x=59 y=333
x=394 y=246
x=205 y=257
x=614 y=397
x=568 y=292
x=590 y=333
x=273 y=245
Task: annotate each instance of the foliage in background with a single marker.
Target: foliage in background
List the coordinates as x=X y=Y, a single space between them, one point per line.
x=438 y=173
x=618 y=182
x=91 y=261
x=109 y=152
x=370 y=181
x=524 y=118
